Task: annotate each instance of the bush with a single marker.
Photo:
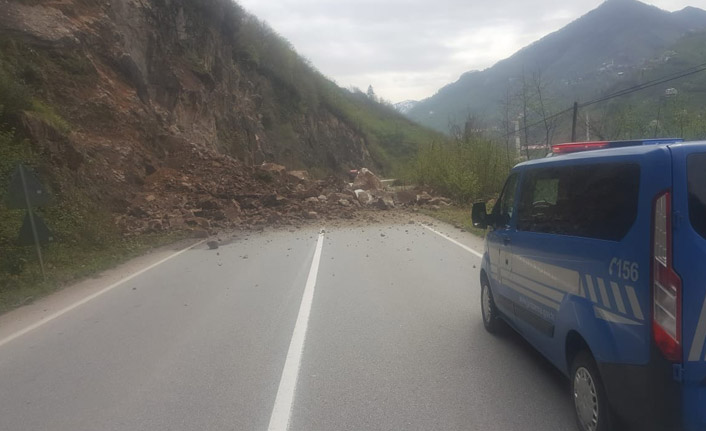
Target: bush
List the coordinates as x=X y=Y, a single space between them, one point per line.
x=470 y=168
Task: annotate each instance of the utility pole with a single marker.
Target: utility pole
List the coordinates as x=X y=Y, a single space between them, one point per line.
x=573 y=126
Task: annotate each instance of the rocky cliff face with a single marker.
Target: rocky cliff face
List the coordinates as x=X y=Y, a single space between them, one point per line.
x=174 y=68
x=140 y=90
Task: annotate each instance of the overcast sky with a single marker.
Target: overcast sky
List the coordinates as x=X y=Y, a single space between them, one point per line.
x=408 y=49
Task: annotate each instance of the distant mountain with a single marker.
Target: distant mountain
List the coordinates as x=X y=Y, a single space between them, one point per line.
x=582 y=60
x=406 y=106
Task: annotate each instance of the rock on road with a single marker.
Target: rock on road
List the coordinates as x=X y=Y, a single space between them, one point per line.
x=394 y=341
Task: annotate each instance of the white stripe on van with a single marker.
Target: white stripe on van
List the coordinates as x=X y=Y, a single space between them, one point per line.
x=532 y=285
x=613 y=318
x=524 y=291
x=618 y=297
x=591 y=291
x=559 y=278
x=634 y=303
x=699 y=337
x=605 y=299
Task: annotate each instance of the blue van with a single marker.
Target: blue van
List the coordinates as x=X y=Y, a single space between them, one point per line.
x=597 y=256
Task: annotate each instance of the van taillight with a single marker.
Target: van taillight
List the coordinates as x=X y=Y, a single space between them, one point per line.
x=666 y=284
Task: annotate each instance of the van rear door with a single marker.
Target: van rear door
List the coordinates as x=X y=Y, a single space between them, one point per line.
x=689 y=254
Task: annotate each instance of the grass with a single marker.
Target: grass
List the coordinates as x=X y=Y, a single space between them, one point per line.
x=65 y=263
x=458 y=216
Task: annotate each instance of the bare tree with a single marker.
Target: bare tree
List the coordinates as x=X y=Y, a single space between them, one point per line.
x=540 y=86
x=507 y=107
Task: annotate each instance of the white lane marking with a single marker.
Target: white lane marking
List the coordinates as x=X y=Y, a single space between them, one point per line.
x=468 y=249
x=282 y=410
x=92 y=296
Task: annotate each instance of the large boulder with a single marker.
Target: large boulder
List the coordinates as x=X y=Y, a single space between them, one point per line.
x=367 y=180
x=364 y=197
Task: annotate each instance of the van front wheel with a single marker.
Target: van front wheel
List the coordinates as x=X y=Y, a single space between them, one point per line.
x=491 y=317
x=590 y=403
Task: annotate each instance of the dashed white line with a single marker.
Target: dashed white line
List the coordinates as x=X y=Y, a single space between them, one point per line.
x=63 y=311
x=282 y=410
x=468 y=249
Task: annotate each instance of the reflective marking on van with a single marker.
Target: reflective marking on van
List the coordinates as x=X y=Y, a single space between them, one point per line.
x=591 y=291
x=699 y=336
x=613 y=318
x=524 y=291
x=618 y=295
x=605 y=299
x=555 y=295
x=634 y=303
x=560 y=278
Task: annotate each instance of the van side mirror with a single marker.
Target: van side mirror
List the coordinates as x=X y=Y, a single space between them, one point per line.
x=479 y=216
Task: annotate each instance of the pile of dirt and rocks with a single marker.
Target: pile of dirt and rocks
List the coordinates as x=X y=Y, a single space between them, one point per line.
x=205 y=192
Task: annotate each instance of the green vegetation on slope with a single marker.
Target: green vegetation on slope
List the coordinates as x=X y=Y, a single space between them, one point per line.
x=672 y=109
x=86 y=239
x=392 y=138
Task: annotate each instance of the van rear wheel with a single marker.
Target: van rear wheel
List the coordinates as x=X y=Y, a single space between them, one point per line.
x=590 y=402
x=491 y=316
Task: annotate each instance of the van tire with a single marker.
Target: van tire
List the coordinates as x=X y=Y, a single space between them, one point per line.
x=490 y=313
x=591 y=406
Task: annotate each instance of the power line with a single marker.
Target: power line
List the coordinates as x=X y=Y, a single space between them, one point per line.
x=648 y=84
x=653 y=83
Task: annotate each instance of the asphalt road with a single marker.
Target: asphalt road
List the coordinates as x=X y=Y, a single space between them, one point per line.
x=214 y=340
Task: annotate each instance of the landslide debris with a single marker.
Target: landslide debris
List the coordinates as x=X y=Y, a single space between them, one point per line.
x=205 y=192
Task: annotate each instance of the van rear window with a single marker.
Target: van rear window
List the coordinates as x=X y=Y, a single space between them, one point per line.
x=593 y=201
x=696 y=172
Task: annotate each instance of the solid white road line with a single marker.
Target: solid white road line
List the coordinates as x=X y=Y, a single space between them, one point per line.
x=282 y=410
x=468 y=249
x=91 y=297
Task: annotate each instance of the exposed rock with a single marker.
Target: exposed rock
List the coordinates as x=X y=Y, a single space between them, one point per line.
x=312 y=200
x=423 y=198
x=297 y=176
x=366 y=180
x=364 y=197
x=439 y=201
x=212 y=245
x=312 y=215
x=344 y=202
x=272 y=168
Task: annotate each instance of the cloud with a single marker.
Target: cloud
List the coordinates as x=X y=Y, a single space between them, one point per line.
x=408 y=49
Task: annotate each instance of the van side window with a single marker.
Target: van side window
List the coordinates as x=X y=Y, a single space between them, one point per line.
x=696 y=171
x=593 y=201
x=505 y=207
